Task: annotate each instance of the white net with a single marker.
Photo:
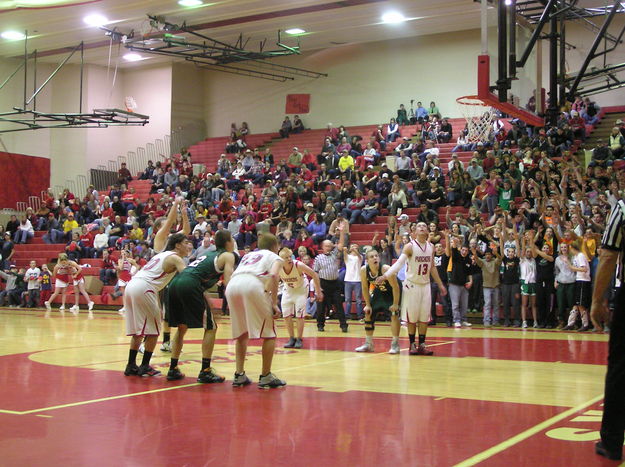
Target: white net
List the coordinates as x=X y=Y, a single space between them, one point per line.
x=479 y=117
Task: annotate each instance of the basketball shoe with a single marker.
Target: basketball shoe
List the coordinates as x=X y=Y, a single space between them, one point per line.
x=209 y=376
x=175 y=374
x=270 y=381
x=241 y=380
x=290 y=344
x=366 y=347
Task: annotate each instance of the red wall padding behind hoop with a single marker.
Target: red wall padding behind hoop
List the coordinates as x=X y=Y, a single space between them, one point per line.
x=22 y=176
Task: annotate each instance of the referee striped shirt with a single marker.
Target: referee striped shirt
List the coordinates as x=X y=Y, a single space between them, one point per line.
x=327 y=265
x=613 y=235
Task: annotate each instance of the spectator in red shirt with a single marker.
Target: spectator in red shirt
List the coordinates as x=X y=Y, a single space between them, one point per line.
x=108 y=272
x=247 y=232
x=86 y=240
x=124 y=174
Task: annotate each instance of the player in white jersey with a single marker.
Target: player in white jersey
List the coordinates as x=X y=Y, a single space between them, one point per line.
x=252 y=295
x=143 y=310
x=162 y=227
x=295 y=293
x=416 y=299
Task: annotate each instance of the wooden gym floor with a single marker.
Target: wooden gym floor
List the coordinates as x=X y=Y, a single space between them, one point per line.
x=488 y=397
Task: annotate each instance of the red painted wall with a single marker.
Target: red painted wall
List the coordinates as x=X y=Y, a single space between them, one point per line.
x=22 y=176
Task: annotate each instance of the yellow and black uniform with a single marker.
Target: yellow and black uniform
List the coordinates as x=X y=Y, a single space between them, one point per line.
x=185 y=298
x=381 y=296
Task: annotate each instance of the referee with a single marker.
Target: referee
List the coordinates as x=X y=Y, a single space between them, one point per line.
x=613 y=423
x=327 y=266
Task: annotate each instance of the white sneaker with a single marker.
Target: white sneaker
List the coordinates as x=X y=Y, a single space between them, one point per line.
x=466 y=324
x=394 y=349
x=535 y=325
x=90 y=305
x=366 y=347
x=62 y=308
x=48 y=307
x=141 y=348
x=74 y=310
x=121 y=311
x=166 y=347
x=524 y=325
x=457 y=325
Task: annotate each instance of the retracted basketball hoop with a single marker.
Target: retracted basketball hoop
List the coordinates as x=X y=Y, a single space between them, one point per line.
x=479 y=117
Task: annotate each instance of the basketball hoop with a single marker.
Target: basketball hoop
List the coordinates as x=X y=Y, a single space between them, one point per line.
x=479 y=117
x=130 y=103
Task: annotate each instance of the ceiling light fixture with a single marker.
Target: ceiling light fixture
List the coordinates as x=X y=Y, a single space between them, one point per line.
x=295 y=31
x=95 y=20
x=393 y=17
x=508 y=2
x=13 y=35
x=134 y=57
x=190 y=3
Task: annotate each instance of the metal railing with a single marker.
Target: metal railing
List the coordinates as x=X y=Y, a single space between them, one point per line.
x=105 y=174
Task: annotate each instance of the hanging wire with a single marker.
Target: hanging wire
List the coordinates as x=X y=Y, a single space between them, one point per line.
x=108 y=70
x=119 y=45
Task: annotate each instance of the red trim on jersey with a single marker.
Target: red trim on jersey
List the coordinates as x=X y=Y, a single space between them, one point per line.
x=425 y=247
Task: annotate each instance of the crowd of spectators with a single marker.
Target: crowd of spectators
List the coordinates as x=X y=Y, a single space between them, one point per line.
x=522 y=217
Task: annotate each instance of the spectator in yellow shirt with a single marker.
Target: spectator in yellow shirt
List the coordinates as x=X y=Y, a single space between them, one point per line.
x=69 y=225
x=346 y=164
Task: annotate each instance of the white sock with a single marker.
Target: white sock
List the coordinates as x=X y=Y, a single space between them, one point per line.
x=395 y=340
x=369 y=340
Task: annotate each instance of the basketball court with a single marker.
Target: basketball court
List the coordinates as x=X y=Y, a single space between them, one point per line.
x=487 y=397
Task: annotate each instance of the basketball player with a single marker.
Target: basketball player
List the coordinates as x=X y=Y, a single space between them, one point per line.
x=143 y=310
x=293 y=275
x=63 y=272
x=378 y=299
x=162 y=227
x=253 y=299
x=187 y=305
x=79 y=289
x=416 y=300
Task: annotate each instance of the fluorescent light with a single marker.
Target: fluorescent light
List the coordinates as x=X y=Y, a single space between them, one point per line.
x=508 y=2
x=393 y=17
x=95 y=20
x=190 y=2
x=134 y=57
x=13 y=35
x=294 y=31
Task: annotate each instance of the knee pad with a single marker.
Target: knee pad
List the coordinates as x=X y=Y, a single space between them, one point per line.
x=369 y=325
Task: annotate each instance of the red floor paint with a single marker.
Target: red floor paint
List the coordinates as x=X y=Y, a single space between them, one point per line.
x=293 y=426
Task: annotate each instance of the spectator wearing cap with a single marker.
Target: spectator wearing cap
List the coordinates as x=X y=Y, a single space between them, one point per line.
x=601 y=155
x=294 y=161
x=383 y=188
x=68 y=225
x=202 y=225
x=248 y=159
x=436 y=174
